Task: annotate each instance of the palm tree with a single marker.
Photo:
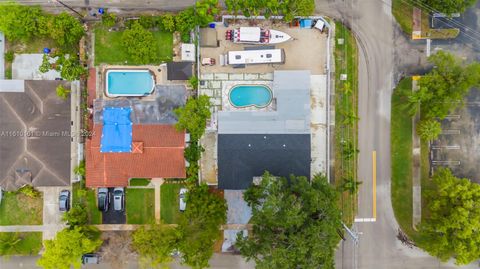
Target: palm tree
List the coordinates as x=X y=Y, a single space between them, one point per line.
x=429 y=129
x=62 y=92
x=8 y=243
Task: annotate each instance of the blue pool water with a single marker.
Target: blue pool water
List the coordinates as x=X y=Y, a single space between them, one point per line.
x=250 y=95
x=129 y=82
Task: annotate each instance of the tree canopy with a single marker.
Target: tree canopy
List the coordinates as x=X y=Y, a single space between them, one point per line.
x=200 y=227
x=295 y=223
x=140 y=44
x=67 y=248
x=155 y=244
x=443 y=88
x=67 y=30
x=193 y=116
x=451 y=227
x=288 y=8
x=19 y=22
x=429 y=129
x=449 y=6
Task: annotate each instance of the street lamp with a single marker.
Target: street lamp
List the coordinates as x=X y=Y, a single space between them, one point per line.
x=70 y=8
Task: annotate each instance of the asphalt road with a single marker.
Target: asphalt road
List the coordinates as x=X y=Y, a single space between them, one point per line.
x=147 y=5
x=217 y=262
x=378 y=247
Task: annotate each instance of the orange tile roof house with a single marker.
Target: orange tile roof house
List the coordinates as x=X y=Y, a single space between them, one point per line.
x=157 y=151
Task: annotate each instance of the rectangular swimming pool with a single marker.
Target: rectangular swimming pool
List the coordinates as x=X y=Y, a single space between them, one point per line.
x=129 y=83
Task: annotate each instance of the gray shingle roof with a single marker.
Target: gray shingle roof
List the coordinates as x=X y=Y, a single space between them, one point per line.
x=244 y=156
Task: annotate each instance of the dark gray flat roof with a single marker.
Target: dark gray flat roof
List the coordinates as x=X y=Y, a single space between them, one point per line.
x=157 y=110
x=45 y=154
x=244 y=156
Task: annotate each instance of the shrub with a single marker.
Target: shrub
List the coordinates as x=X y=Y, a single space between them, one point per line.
x=147 y=22
x=62 y=92
x=168 y=22
x=29 y=191
x=80 y=169
x=109 y=20
x=45 y=66
x=193 y=82
x=9 y=56
x=193 y=116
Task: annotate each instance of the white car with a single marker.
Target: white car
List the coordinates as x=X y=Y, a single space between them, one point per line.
x=181 y=195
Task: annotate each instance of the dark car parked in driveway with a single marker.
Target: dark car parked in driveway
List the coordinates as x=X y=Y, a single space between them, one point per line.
x=64 y=200
x=103 y=197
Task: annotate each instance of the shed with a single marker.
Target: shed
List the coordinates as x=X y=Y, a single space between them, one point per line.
x=188 y=52
x=208 y=37
x=179 y=70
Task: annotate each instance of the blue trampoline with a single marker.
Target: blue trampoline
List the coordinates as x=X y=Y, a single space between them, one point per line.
x=117 y=130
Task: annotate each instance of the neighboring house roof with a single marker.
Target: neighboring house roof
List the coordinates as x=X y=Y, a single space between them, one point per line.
x=157 y=151
x=244 y=156
x=179 y=70
x=291 y=93
x=208 y=37
x=35 y=136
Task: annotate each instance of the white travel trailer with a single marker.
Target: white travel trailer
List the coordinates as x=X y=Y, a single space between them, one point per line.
x=269 y=56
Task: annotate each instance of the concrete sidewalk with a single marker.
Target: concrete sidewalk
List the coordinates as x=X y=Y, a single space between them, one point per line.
x=416 y=170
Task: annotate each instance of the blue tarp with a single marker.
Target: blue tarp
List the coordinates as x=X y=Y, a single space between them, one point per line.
x=117 y=130
x=306 y=23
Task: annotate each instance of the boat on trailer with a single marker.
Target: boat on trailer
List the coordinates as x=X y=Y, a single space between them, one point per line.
x=256 y=35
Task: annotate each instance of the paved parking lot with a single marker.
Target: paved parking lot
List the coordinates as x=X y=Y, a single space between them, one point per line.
x=459 y=145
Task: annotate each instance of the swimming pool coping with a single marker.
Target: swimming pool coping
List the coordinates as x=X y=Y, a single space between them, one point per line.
x=254 y=105
x=136 y=70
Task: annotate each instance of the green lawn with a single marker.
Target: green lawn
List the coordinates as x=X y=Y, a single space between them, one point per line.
x=89 y=199
x=109 y=49
x=402 y=10
x=139 y=181
x=19 y=209
x=346 y=100
x=30 y=244
x=169 y=203
x=140 y=206
x=401 y=143
x=35 y=45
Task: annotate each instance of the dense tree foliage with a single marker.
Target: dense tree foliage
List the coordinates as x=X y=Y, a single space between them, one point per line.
x=295 y=223
x=429 y=129
x=193 y=116
x=19 y=22
x=109 y=20
x=451 y=227
x=206 y=10
x=200 y=226
x=443 y=89
x=288 y=8
x=77 y=216
x=448 y=6
x=140 y=44
x=67 y=248
x=155 y=244
x=67 y=30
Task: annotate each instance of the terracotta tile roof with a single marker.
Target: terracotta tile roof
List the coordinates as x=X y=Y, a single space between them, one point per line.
x=158 y=152
x=91 y=86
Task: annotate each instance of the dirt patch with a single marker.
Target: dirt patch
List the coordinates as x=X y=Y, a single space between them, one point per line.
x=116 y=249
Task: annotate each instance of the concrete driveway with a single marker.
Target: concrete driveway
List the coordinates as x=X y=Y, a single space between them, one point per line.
x=52 y=217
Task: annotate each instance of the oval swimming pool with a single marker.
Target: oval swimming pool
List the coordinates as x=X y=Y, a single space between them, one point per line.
x=129 y=83
x=250 y=95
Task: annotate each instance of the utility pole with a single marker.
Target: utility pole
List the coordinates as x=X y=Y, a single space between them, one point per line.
x=352 y=234
x=70 y=8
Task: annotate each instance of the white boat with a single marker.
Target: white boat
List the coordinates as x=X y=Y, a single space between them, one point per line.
x=256 y=35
